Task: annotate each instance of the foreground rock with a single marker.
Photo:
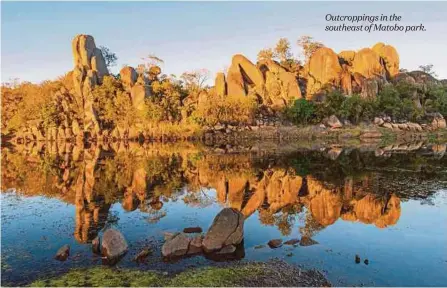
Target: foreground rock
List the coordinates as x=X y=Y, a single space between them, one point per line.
x=192 y=230
x=114 y=245
x=96 y=245
x=334 y=123
x=275 y=243
x=292 y=242
x=227 y=229
x=176 y=246
x=307 y=241
x=195 y=246
x=140 y=257
x=63 y=253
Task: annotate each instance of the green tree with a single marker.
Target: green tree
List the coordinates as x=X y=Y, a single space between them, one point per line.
x=428 y=68
x=301 y=112
x=331 y=105
x=109 y=56
x=389 y=101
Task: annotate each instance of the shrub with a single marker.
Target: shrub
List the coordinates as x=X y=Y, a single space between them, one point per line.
x=226 y=110
x=438 y=99
x=388 y=101
x=331 y=105
x=301 y=112
x=356 y=109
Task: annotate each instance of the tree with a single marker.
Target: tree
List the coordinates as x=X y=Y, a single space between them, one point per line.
x=109 y=56
x=301 y=112
x=282 y=50
x=150 y=66
x=195 y=80
x=309 y=46
x=265 y=54
x=428 y=69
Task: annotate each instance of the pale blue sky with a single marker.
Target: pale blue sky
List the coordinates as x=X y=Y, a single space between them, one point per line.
x=36 y=37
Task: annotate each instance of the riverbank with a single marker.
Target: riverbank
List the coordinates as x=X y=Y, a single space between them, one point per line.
x=274 y=273
x=233 y=134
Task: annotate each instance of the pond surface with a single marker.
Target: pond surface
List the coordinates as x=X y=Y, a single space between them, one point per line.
x=386 y=204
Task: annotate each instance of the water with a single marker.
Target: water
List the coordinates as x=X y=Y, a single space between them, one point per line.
x=385 y=203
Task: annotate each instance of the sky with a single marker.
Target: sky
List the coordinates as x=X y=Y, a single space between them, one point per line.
x=36 y=36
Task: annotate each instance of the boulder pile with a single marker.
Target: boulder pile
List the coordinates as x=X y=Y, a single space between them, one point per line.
x=222 y=239
x=364 y=72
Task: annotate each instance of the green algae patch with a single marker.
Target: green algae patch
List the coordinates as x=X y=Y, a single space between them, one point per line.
x=250 y=274
x=108 y=277
x=103 y=277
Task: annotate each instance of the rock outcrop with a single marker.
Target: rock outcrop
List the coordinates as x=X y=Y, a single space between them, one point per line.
x=281 y=85
x=323 y=70
x=220 y=84
x=128 y=77
x=390 y=57
x=89 y=70
x=243 y=76
x=368 y=64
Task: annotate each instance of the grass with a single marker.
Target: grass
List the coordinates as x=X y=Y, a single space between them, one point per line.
x=273 y=273
x=108 y=277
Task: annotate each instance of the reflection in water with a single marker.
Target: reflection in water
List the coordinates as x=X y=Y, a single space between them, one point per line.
x=352 y=188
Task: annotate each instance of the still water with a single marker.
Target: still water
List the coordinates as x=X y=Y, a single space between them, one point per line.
x=386 y=204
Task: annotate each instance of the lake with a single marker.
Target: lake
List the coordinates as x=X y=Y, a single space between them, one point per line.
x=384 y=203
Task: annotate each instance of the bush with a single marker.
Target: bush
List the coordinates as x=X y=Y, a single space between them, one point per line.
x=438 y=99
x=388 y=101
x=331 y=105
x=301 y=112
x=356 y=109
x=397 y=101
x=226 y=110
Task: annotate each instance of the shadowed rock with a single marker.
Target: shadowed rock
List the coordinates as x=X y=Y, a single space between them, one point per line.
x=227 y=229
x=114 y=245
x=96 y=245
x=307 y=241
x=63 y=253
x=275 y=243
x=176 y=246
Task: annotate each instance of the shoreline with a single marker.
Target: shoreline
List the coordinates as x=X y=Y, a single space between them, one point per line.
x=234 y=134
x=271 y=273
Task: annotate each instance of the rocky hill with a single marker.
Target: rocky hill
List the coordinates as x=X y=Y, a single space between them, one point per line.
x=269 y=85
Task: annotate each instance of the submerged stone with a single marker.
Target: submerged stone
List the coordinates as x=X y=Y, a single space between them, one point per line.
x=63 y=253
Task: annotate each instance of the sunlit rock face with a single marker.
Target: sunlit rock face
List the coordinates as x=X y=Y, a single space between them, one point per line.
x=242 y=75
x=89 y=70
x=368 y=63
x=323 y=69
x=390 y=56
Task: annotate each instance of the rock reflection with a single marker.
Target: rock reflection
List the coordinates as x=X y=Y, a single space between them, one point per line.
x=351 y=186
